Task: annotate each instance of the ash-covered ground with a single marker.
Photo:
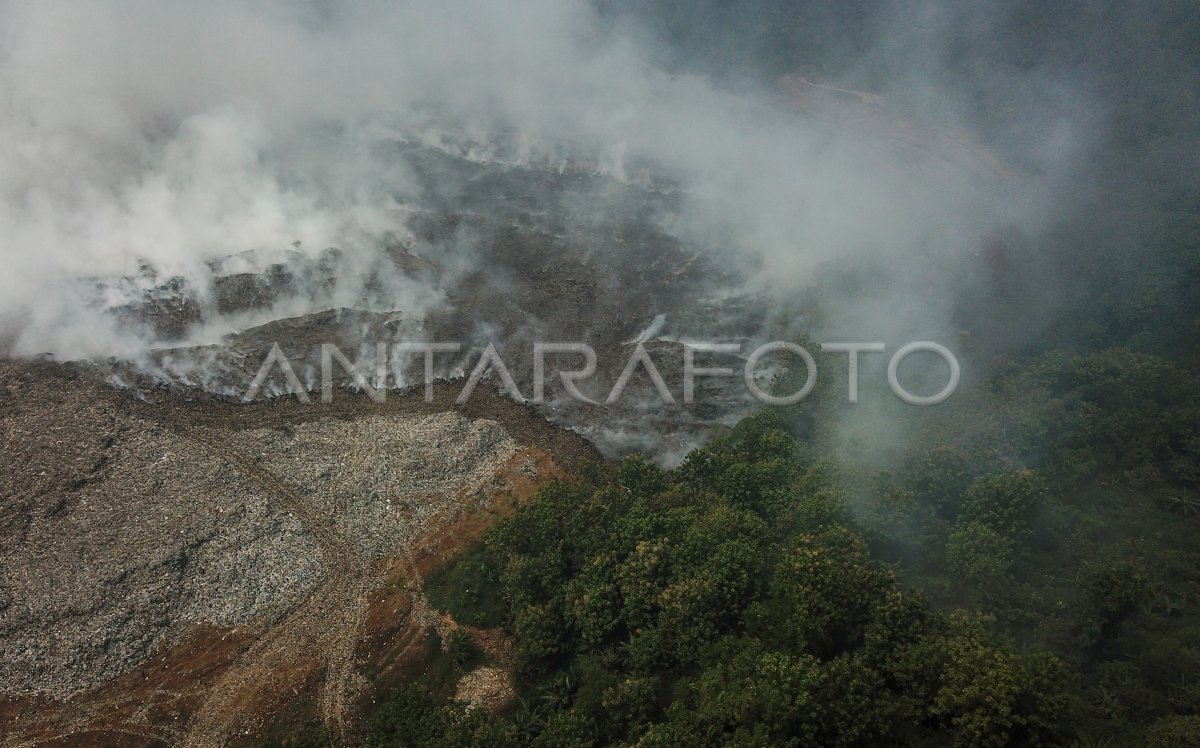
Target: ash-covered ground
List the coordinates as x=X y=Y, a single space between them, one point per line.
x=502 y=253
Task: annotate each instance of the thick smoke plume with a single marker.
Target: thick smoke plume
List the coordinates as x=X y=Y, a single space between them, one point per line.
x=143 y=134
x=873 y=171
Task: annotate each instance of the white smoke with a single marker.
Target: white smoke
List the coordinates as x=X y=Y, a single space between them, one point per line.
x=136 y=133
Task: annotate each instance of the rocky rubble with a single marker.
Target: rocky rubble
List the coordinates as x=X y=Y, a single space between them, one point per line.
x=487 y=688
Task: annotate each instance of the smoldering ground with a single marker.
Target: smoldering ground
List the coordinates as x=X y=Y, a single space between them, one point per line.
x=153 y=152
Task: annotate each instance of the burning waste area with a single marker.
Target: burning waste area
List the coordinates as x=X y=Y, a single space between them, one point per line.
x=594 y=373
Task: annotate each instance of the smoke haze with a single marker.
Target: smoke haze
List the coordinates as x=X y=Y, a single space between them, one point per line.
x=140 y=133
x=972 y=174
